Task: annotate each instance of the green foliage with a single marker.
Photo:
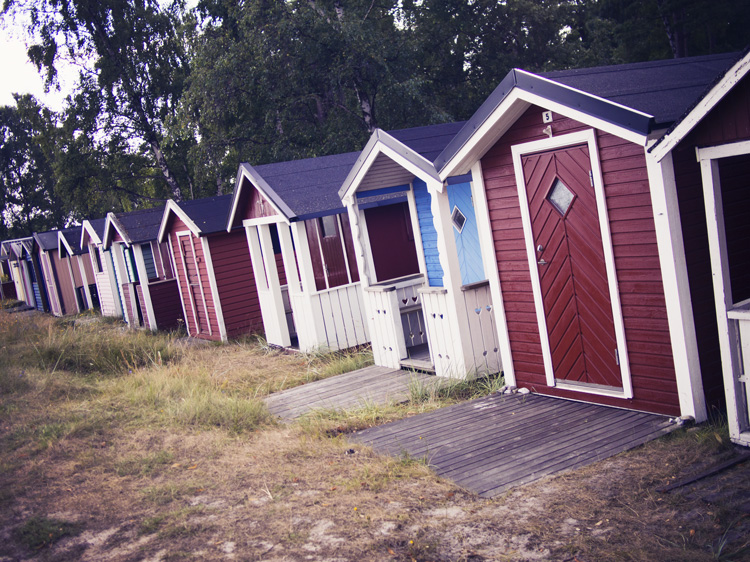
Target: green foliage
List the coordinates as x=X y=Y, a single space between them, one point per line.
x=39 y=532
x=171 y=99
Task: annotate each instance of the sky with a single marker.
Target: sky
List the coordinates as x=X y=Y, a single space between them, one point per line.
x=20 y=76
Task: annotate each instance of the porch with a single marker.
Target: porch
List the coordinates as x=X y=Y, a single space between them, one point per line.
x=501 y=441
x=371 y=385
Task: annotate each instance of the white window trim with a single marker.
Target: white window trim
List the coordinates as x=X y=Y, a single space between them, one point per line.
x=583 y=137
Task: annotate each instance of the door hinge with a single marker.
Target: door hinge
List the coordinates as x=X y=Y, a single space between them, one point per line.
x=591 y=177
x=617 y=356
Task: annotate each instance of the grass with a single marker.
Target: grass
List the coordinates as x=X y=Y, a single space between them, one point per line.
x=39 y=532
x=179 y=456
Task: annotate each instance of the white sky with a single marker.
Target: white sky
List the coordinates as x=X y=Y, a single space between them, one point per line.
x=18 y=75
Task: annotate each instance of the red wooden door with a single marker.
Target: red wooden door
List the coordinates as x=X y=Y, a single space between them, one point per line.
x=194 y=294
x=572 y=271
x=392 y=244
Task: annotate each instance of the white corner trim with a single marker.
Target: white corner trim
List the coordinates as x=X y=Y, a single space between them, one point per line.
x=489 y=259
x=583 y=137
x=667 y=223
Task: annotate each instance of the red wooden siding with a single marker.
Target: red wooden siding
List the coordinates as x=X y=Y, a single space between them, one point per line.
x=235 y=283
x=279 y=258
x=178 y=226
x=88 y=268
x=165 y=300
x=729 y=121
x=165 y=261
x=73 y=261
x=392 y=241
x=142 y=305
x=255 y=205
x=636 y=262
x=329 y=250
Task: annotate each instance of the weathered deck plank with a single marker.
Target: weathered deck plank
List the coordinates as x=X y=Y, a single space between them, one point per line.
x=378 y=385
x=494 y=443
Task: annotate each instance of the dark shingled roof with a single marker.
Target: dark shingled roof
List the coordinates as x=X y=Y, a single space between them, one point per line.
x=47 y=240
x=664 y=89
x=209 y=214
x=428 y=141
x=142 y=225
x=310 y=186
x=73 y=238
x=98 y=226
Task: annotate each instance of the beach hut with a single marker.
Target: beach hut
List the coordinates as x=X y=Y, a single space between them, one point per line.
x=143 y=268
x=425 y=287
x=78 y=267
x=7 y=287
x=58 y=282
x=586 y=262
x=213 y=269
x=11 y=250
x=102 y=265
x=703 y=164
x=299 y=239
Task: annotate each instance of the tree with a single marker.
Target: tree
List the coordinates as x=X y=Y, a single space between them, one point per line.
x=130 y=57
x=27 y=195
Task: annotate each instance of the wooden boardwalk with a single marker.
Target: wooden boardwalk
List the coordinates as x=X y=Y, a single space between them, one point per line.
x=492 y=444
x=371 y=385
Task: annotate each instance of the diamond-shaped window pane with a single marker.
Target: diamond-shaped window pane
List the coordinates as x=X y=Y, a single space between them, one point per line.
x=458 y=219
x=560 y=196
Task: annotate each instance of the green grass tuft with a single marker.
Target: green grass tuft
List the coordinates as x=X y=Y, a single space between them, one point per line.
x=39 y=532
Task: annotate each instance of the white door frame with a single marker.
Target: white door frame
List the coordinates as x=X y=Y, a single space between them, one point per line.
x=587 y=137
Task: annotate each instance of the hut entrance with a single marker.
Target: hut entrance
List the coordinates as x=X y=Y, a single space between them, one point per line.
x=194 y=291
x=567 y=244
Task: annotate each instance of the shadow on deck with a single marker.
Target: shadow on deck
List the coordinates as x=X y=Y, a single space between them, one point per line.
x=501 y=441
x=371 y=385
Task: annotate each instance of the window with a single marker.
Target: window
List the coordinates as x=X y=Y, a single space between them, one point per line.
x=561 y=197
x=97 y=259
x=458 y=219
x=327 y=226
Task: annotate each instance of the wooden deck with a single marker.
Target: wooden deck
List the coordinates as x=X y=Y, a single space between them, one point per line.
x=492 y=444
x=373 y=385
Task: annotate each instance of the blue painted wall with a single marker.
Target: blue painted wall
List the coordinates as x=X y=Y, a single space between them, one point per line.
x=467 y=241
x=429 y=234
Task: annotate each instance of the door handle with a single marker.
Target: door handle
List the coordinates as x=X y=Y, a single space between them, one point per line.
x=542 y=262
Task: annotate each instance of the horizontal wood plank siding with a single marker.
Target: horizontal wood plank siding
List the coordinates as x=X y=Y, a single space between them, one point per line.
x=165 y=299
x=636 y=262
x=235 y=283
x=255 y=205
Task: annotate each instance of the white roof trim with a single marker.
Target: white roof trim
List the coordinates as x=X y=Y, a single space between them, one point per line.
x=511 y=108
x=174 y=207
x=257 y=181
x=113 y=223
x=87 y=229
x=732 y=77
x=61 y=241
x=382 y=143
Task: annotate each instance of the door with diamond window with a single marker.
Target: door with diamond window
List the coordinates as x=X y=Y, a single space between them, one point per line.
x=571 y=265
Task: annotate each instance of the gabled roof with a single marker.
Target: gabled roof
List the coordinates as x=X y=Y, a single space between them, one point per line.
x=93 y=229
x=16 y=246
x=69 y=240
x=399 y=155
x=710 y=97
x=633 y=99
x=135 y=227
x=298 y=189
x=202 y=216
x=47 y=240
